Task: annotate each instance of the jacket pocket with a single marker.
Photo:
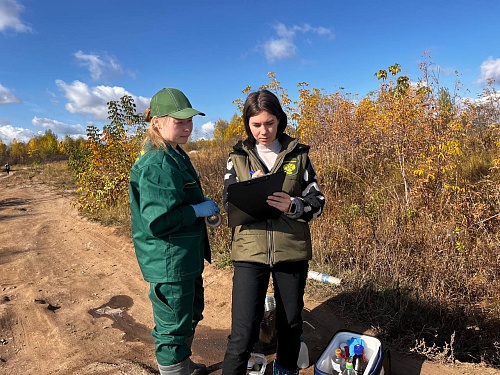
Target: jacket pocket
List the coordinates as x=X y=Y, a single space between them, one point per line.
x=164 y=311
x=184 y=255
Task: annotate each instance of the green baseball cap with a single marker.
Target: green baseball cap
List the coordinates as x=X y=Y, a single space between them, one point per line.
x=173 y=103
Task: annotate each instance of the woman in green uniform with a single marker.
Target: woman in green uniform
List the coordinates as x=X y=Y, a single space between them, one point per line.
x=170 y=237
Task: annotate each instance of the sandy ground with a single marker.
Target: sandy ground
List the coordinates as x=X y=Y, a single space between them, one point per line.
x=73 y=300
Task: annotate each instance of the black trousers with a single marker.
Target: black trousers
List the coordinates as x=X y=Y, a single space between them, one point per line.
x=250 y=282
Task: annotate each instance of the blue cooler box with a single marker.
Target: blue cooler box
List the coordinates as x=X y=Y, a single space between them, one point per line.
x=379 y=361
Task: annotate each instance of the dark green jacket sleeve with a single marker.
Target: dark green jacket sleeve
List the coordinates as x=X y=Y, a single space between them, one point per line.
x=170 y=242
x=165 y=202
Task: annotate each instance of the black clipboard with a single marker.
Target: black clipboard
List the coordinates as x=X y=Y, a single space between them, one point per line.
x=247 y=200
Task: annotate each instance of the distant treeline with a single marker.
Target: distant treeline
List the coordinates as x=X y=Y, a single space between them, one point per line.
x=39 y=149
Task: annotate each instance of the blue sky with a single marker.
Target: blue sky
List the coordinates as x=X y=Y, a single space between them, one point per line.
x=62 y=60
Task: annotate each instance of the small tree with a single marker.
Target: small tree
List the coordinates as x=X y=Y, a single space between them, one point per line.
x=103 y=175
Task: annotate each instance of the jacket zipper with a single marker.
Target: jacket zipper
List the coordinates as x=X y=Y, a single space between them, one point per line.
x=269 y=226
x=270 y=243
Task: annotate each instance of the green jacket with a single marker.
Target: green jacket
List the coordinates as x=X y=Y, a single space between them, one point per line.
x=170 y=242
x=274 y=240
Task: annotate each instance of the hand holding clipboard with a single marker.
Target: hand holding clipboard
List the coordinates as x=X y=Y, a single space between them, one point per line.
x=247 y=200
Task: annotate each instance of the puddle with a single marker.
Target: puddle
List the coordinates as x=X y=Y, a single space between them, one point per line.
x=117 y=311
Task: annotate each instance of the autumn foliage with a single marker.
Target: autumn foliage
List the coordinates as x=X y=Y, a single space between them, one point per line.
x=102 y=167
x=412 y=222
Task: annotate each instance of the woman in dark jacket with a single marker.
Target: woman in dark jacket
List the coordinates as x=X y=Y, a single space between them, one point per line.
x=280 y=247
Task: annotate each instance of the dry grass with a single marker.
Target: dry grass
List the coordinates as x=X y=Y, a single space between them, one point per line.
x=425 y=275
x=412 y=221
x=56 y=174
x=422 y=277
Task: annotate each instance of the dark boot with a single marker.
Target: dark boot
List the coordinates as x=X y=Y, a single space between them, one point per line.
x=195 y=368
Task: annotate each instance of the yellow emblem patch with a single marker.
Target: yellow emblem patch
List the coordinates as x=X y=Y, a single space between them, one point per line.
x=141 y=153
x=290 y=167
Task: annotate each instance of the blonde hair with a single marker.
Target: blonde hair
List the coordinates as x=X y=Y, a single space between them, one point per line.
x=152 y=136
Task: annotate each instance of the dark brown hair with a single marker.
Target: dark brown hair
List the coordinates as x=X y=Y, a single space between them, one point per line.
x=263 y=100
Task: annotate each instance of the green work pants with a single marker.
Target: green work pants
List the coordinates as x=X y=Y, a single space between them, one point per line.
x=177 y=309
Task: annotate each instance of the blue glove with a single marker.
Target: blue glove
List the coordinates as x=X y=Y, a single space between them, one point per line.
x=206 y=208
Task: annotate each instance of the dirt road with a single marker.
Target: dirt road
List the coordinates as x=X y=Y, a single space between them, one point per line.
x=73 y=301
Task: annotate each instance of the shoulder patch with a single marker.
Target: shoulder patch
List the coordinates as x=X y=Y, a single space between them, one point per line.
x=141 y=153
x=290 y=167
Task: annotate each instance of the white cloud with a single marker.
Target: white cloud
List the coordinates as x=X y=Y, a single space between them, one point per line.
x=445 y=71
x=6 y=96
x=207 y=130
x=494 y=97
x=93 y=100
x=10 y=16
x=279 y=49
x=284 y=32
x=8 y=133
x=283 y=46
x=100 y=67
x=321 y=31
x=490 y=69
x=58 y=128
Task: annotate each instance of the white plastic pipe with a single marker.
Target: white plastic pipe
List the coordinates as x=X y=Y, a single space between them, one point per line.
x=324 y=278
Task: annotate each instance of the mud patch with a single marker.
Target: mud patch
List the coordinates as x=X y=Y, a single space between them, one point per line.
x=13 y=202
x=50 y=307
x=117 y=310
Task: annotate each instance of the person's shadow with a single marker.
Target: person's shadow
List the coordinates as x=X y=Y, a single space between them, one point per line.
x=407 y=322
x=401 y=318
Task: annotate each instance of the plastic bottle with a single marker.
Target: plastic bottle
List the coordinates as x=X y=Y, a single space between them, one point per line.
x=358 y=360
x=348 y=369
x=303 y=360
x=338 y=363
